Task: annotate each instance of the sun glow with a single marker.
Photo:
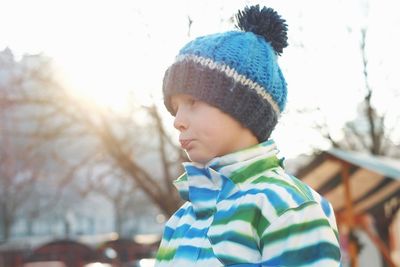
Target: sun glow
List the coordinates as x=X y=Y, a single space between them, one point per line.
x=102 y=55
x=95 y=83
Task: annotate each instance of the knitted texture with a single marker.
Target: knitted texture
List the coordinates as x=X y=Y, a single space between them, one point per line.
x=243 y=209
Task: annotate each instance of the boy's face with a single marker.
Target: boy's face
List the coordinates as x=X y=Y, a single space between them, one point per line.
x=205 y=131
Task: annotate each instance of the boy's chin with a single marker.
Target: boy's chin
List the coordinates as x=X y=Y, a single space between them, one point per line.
x=198 y=158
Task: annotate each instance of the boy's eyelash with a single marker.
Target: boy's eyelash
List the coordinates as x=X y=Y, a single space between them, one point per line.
x=191 y=101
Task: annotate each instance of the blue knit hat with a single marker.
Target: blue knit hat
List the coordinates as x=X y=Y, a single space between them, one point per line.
x=236 y=71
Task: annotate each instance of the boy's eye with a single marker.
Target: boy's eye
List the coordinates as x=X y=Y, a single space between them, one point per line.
x=173 y=107
x=189 y=102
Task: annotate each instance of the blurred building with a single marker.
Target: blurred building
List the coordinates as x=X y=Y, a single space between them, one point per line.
x=364 y=191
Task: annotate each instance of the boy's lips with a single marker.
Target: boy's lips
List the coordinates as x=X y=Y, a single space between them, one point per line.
x=185 y=143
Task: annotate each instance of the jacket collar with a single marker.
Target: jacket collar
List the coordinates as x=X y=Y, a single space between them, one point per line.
x=220 y=178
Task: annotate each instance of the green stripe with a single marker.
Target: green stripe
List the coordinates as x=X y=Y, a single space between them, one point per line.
x=229 y=259
x=235 y=237
x=245 y=172
x=165 y=254
x=294 y=229
x=248 y=213
x=280 y=182
x=181 y=178
x=336 y=234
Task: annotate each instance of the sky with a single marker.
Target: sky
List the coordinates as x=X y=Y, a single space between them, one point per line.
x=108 y=51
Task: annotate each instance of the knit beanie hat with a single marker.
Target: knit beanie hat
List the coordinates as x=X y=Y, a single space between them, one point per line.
x=236 y=71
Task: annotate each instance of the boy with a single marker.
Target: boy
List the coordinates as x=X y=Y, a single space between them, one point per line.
x=226 y=92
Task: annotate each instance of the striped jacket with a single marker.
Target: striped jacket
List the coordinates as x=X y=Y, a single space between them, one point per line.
x=242 y=209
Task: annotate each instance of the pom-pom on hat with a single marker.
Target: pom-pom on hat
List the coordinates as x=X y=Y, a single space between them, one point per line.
x=236 y=71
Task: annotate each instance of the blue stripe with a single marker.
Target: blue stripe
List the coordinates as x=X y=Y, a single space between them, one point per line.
x=186 y=231
x=202 y=194
x=194 y=171
x=296 y=196
x=186 y=212
x=180 y=213
x=306 y=255
x=267 y=143
x=206 y=254
x=227 y=187
x=194 y=254
x=187 y=252
x=326 y=208
x=168 y=232
x=190 y=213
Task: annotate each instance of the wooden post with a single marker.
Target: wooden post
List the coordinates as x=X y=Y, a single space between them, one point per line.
x=349 y=214
x=367 y=227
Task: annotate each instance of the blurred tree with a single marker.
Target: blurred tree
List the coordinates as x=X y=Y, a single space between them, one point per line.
x=369 y=132
x=71 y=134
x=140 y=151
x=18 y=172
x=120 y=190
x=26 y=188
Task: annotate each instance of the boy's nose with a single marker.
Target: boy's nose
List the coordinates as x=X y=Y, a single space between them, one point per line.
x=180 y=122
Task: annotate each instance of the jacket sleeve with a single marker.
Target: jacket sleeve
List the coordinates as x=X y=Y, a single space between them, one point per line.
x=301 y=236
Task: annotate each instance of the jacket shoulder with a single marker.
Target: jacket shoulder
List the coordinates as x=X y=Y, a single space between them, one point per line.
x=277 y=190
